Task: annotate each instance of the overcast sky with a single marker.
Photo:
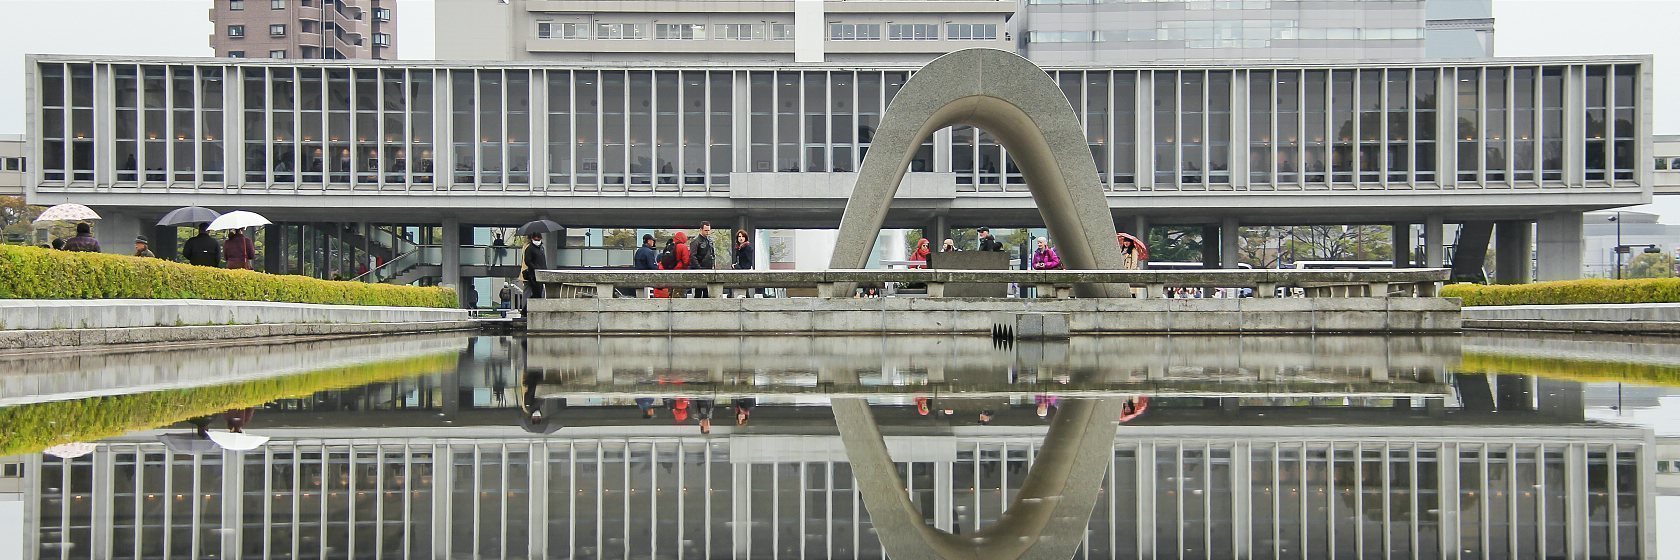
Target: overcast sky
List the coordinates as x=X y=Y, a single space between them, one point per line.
x=182 y=28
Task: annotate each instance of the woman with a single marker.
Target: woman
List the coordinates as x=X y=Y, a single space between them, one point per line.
x=923 y=250
x=743 y=255
x=681 y=251
x=950 y=246
x=239 y=250
x=1044 y=257
x=1129 y=253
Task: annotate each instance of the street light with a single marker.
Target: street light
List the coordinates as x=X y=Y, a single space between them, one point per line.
x=1618 y=219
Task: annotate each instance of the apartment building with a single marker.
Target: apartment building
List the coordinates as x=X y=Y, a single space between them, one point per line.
x=313 y=29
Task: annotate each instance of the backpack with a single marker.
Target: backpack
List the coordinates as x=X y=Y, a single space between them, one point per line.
x=668 y=257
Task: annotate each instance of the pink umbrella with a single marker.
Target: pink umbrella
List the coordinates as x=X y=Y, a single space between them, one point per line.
x=1142 y=249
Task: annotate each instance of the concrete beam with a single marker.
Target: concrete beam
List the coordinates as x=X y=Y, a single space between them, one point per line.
x=1562 y=240
x=1513 y=248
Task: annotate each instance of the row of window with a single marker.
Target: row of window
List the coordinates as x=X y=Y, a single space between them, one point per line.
x=1227 y=34
x=734 y=31
x=1187 y=4
x=274 y=30
x=278 y=53
x=239 y=5
x=1299 y=128
x=1667 y=163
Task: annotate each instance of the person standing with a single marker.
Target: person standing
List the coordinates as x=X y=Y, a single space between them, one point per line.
x=83 y=242
x=743 y=410
x=202 y=249
x=703 y=413
x=920 y=255
x=1044 y=257
x=950 y=246
x=684 y=256
x=142 y=247
x=535 y=259
x=987 y=242
x=647 y=258
x=498 y=250
x=743 y=255
x=239 y=250
x=705 y=255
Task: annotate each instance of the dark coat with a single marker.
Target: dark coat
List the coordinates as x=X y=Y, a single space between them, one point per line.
x=991 y=244
x=82 y=243
x=203 y=250
x=705 y=254
x=647 y=258
x=744 y=255
x=535 y=259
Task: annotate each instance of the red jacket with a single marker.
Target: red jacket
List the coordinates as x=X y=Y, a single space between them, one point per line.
x=685 y=259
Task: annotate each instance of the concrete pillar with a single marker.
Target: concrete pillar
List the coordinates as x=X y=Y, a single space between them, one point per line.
x=274 y=249
x=116 y=232
x=1560 y=246
x=451 y=247
x=1229 y=233
x=1401 y=237
x=164 y=242
x=1434 y=250
x=1135 y=225
x=941 y=230
x=1210 y=247
x=1513 y=242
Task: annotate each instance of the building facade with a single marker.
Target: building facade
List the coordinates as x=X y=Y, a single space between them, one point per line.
x=1667 y=163
x=13 y=164
x=855 y=31
x=312 y=29
x=1637 y=230
x=1134 y=31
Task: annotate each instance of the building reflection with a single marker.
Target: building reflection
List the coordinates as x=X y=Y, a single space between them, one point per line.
x=1501 y=467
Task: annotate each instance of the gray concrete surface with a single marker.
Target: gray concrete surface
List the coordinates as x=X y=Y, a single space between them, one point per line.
x=139 y=336
x=1640 y=318
x=955 y=315
x=39 y=314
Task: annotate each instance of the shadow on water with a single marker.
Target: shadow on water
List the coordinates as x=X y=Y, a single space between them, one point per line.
x=841 y=447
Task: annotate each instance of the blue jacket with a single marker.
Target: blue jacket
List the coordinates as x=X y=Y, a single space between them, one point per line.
x=647 y=258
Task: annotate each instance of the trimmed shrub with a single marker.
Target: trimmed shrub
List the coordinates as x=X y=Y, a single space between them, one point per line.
x=35 y=273
x=1573 y=369
x=1655 y=290
x=31 y=428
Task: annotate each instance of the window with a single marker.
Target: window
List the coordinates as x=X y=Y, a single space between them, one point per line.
x=382 y=39
x=277 y=54
x=679 y=31
x=913 y=32
x=277 y=30
x=1063 y=37
x=276 y=4
x=552 y=30
x=1662 y=164
x=742 y=31
x=236 y=54
x=781 y=31
x=854 y=32
x=382 y=14
x=236 y=5
x=971 y=31
x=13 y=164
x=11 y=470
x=620 y=31
x=236 y=31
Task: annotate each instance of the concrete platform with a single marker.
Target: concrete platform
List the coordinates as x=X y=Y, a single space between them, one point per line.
x=35 y=324
x=959 y=315
x=1640 y=318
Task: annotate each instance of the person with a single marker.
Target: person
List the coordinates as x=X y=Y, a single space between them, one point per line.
x=341 y=171
x=202 y=249
x=535 y=259
x=1044 y=257
x=239 y=250
x=647 y=258
x=508 y=294
x=986 y=417
x=498 y=250
x=58 y=243
x=679 y=409
x=681 y=252
x=1045 y=403
x=704 y=255
x=142 y=247
x=743 y=255
x=950 y=246
x=703 y=414
x=743 y=410
x=921 y=253
x=83 y=241
x=987 y=242
x=924 y=405
x=647 y=405
x=1130 y=253
x=423 y=169
x=237 y=419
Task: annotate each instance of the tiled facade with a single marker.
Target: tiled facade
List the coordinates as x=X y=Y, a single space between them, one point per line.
x=309 y=29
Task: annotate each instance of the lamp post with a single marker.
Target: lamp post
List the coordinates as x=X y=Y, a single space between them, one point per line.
x=1618 y=219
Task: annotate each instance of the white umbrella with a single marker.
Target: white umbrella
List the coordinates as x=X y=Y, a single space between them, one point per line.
x=67 y=213
x=237 y=441
x=70 y=450
x=239 y=219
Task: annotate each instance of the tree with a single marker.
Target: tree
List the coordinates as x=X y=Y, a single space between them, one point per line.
x=17 y=222
x=1175 y=244
x=1650 y=265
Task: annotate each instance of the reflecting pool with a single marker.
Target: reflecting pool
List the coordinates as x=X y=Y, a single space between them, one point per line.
x=455 y=446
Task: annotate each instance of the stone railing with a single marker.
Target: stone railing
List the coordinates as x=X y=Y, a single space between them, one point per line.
x=1405 y=282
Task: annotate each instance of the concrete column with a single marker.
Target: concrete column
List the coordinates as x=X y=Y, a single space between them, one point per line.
x=116 y=232
x=1561 y=242
x=1135 y=225
x=941 y=230
x=451 y=247
x=1434 y=254
x=1401 y=237
x=274 y=249
x=164 y=242
x=1229 y=233
x=1513 y=242
x=1210 y=247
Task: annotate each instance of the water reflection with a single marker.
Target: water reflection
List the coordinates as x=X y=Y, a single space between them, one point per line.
x=1221 y=464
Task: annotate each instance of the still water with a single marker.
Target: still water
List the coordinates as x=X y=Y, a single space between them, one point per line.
x=452 y=446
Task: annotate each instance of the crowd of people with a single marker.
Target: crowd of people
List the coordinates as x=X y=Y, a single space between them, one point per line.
x=236 y=251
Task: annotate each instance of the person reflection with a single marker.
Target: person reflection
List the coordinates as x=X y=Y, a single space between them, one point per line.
x=743 y=410
x=237 y=419
x=647 y=405
x=538 y=415
x=703 y=414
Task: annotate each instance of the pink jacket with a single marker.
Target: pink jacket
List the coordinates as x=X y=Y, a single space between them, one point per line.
x=1046 y=259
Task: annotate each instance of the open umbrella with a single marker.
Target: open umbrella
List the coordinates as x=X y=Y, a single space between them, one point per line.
x=189 y=443
x=188 y=216
x=238 y=219
x=70 y=450
x=237 y=441
x=1142 y=249
x=67 y=213
x=539 y=226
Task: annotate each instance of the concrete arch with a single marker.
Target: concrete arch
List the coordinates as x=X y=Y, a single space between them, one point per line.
x=1029 y=115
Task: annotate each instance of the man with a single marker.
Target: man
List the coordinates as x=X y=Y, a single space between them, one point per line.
x=203 y=250
x=705 y=256
x=535 y=259
x=987 y=242
x=142 y=247
x=83 y=241
x=647 y=258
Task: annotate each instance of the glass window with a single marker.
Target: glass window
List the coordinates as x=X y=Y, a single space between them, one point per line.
x=1626 y=90
x=613 y=127
x=236 y=5
x=720 y=127
x=1219 y=128
x=1342 y=109
x=1524 y=117
x=1313 y=156
x=277 y=30
x=1125 y=128
x=1469 y=116
x=586 y=113
x=277 y=54
x=761 y=126
x=913 y=32
x=1166 y=128
x=1288 y=126
x=276 y=4
x=560 y=136
x=781 y=31
x=1425 y=124
x=679 y=31
x=1260 y=86
x=236 y=31
x=1598 y=132
x=1399 y=122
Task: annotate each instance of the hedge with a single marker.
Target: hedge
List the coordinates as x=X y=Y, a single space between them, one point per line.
x=36 y=273
x=31 y=428
x=1575 y=369
x=1654 y=290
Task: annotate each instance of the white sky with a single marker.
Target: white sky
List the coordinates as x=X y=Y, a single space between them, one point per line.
x=182 y=28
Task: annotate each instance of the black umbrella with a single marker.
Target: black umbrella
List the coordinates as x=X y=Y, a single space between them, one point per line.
x=539 y=226
x=188 y=216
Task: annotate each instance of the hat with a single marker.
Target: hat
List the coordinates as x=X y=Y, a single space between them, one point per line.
x=982 y=228
x=647 y=237
x=142 y=239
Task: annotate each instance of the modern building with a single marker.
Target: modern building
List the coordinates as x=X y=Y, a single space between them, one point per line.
x=314 y=29
x=322 y=148
x=803 y=31
x=1667 y=162
x=13 y=164
x=1281 y=31
x=1636 y=230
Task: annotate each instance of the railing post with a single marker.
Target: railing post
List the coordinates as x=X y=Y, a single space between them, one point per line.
x=604 y=291
x=1379 y=289
x=1046 y=290
x=1429 y=289
x=935 y=289
x=715 y=290
x=825 y=290
x=1154 y=290
x=1265 y=290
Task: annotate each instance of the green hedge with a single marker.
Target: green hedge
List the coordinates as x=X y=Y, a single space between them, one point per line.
x=35 y=273
x=31 y=428
x=1573 y=369
x=1656 y=290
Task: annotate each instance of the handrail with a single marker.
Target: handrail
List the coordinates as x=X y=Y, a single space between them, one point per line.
x=389 y=263
x=1423 y=282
